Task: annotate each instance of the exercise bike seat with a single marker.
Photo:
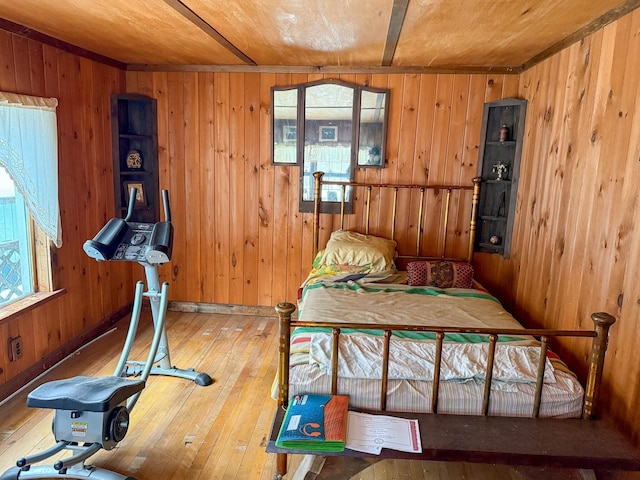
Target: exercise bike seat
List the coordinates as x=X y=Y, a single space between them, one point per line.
x=86 y=394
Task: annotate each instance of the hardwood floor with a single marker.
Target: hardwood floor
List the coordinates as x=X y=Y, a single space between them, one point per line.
x=180 y=430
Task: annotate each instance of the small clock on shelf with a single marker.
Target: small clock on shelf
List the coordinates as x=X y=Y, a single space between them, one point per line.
x=134 y=160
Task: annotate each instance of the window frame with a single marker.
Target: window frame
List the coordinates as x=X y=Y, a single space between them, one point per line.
x=41 y=254
x=39 y=258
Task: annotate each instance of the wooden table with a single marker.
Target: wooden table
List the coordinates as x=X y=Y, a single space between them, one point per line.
x=571 y=443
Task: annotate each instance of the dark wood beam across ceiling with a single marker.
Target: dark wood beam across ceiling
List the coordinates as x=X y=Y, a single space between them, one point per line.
x=194 y=18
x=333 y=69
x=398 y=12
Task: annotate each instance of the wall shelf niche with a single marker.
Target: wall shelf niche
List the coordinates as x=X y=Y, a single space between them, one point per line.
x=499 y=168
x=134 y=137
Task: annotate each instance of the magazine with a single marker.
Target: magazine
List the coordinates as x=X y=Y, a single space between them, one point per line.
x=315 y=422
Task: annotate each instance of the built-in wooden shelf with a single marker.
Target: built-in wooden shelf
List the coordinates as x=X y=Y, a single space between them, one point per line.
x=501 y=147
x=134 y=129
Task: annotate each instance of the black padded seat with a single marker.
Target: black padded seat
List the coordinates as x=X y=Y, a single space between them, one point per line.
x=86 y=394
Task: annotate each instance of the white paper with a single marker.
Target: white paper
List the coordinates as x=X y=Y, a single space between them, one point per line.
x=364 y=448
x=371 y=433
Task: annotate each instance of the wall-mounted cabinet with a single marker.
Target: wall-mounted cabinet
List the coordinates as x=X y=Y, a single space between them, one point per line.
x=499 y=168
x=134 y=136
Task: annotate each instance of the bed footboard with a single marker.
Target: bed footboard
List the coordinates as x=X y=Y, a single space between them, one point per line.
x=602 y=323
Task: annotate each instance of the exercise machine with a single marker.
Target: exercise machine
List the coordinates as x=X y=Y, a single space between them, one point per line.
x=93 y=413
x=150 y=245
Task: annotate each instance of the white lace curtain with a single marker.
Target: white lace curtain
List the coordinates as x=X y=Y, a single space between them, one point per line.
x=29 y=152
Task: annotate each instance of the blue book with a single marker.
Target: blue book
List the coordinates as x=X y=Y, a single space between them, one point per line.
x=315 y=422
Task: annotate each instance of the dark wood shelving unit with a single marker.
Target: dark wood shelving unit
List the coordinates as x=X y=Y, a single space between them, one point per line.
x=134 y=136
x=499 y=168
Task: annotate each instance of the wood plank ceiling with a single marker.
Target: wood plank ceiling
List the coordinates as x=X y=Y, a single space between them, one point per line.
x=421 y=35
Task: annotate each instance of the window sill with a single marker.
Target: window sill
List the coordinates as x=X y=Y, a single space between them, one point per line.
x=30 y=302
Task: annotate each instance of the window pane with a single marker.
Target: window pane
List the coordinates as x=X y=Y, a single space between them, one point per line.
x=15 y=255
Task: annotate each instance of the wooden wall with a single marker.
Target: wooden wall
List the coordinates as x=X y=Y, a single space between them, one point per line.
x=576 y=244
x=86 y=201
x=239 y=237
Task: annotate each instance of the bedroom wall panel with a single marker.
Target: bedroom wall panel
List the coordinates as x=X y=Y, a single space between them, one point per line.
x=239 y=238
x=94 y=291
x=577 y=235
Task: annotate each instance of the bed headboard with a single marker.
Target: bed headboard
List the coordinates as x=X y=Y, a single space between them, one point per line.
x=440 y=221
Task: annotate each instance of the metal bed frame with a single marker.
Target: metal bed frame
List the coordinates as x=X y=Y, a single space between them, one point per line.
x=575 y=443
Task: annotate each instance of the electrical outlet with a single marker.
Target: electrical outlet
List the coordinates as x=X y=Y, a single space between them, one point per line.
x=15 y=348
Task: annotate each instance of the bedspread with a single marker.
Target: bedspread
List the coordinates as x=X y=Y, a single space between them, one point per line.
x=412 y=354
x=352 y=302
x=359 y=300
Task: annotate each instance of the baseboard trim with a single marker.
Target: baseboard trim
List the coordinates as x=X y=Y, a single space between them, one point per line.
x=30 y=373
x=227 y=309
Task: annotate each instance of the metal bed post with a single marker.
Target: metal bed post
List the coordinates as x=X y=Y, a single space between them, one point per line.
x=419 y=222
x=475 y=199
x=284 y=310
x=603 y=322
x=316 y=211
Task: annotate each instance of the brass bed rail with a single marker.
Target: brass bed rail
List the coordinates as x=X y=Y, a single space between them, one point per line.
x=443 y=214
x=602 y=322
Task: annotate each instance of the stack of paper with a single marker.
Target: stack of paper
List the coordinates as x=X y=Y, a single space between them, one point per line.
x=315 y=422
x=371 y=433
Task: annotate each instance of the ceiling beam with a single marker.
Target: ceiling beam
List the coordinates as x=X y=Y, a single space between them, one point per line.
x=333 y=69
x=194 y=18
x=398 y=13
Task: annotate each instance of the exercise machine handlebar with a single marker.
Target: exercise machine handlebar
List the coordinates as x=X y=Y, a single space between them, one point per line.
x=165 y=203
x=132 y=203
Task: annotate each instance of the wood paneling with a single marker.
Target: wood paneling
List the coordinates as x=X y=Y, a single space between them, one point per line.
x=239 y=237
x=94 y=291
x=577 y=236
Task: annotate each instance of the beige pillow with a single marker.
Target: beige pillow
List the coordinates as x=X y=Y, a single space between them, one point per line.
x=352 y=248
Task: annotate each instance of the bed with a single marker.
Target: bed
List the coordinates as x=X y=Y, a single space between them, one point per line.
x=416 y=334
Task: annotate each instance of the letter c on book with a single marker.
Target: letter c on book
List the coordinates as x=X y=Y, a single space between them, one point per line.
x=310 y=433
